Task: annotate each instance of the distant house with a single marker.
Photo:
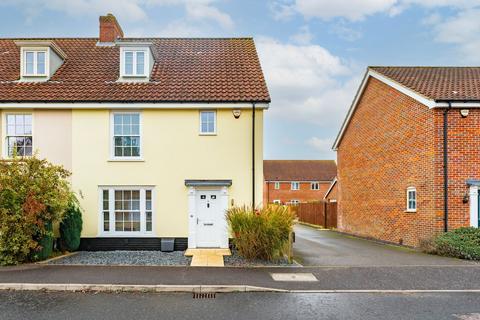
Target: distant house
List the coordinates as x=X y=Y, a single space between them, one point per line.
x=296 y=181
x=408 y=154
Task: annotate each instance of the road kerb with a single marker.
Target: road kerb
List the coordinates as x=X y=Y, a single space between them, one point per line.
x=76 y=287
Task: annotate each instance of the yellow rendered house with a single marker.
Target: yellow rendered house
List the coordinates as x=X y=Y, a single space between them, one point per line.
x=162 y=135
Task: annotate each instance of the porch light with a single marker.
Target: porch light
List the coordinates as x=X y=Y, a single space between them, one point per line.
x=464 y=113
x=237 y=113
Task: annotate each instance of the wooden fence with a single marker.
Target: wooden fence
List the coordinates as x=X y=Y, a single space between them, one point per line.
x=318 y=213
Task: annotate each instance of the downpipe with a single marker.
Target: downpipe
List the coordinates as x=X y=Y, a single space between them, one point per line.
x=445 y=166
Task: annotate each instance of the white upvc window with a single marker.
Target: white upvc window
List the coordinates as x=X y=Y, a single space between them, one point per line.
x=134 y=62
x=294 y=202
x=277 y=185
x=126 y=211
x=295 y=185
x=411 y=199
x=34 y=62
x=276 y=202
x=208 y=122
x=126 y=138
x=19 y=134
x=315 y=186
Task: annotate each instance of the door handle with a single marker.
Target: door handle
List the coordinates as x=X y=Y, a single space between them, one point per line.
x=197 y=220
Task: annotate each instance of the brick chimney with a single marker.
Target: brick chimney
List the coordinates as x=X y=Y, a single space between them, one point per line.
x=110 y=30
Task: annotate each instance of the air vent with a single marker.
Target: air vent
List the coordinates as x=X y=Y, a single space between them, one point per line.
x=207 y=295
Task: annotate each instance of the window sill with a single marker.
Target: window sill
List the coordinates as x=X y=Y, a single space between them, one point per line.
x=35 y=75
x=207 y=134
x=126 y=160
x=410 y=211
x=134 y=76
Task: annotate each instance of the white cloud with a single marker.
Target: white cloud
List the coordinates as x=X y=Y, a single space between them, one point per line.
x=304 y=36
x=352 y=10
x=462 y=31
x=125 y=10
x=201 y=10
x=344 y=32
x=355 y=10
x=322 y=146
x=307 y=83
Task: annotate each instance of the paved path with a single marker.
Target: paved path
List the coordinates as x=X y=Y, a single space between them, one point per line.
x=265 y=306
x=315 y=247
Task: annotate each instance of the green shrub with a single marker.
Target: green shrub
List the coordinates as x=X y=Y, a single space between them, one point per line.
x=261 y=234
x=71 y=228
x=461 y=243
x=33 y=193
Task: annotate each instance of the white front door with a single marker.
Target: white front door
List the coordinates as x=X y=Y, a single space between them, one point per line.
x=209 y=214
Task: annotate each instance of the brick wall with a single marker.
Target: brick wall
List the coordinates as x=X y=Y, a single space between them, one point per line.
x=388 y=146
x=285 y=194
x=463 y=162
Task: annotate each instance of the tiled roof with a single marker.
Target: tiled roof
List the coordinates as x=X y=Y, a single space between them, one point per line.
x=437 y=83
x=299 y=170
x=185 y=70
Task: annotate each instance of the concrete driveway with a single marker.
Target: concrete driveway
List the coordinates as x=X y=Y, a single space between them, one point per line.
x=314 y=247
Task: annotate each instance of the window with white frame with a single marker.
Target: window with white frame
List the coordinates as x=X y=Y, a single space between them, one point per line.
x=19 y=137
x=315 y=186
x=35 y=63
x=276 y=202
x=134 y=62
x=295 y=185
x=126 y=210
x=126 y=138
x=277 y=185
x=411 y=199
x=294 y=202
x=208 y=122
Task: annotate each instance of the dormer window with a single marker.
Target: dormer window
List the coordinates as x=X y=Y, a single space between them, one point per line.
x=39 y=59
x=134 y=62
x=35 y=63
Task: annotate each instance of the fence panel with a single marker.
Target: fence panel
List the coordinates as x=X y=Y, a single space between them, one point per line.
x=331 y=215
x=318 y=213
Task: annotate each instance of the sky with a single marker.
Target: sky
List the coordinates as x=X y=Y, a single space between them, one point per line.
x=314 y=53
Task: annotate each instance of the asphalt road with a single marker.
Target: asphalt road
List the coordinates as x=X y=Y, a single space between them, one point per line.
x=315 y=247
x=52 y=306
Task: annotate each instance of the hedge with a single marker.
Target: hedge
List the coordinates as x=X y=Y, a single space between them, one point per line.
x=461 y=243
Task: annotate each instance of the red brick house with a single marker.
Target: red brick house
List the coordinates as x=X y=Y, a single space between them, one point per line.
x=296 y=181
x=408 y=154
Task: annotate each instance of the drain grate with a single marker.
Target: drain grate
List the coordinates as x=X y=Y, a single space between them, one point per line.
x=205 y=295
